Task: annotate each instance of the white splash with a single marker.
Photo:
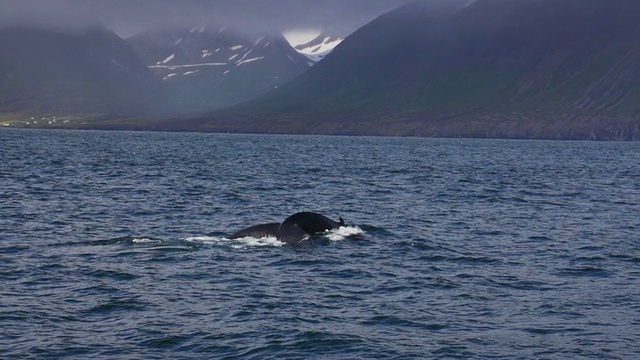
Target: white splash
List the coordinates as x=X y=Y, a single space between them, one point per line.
x=338 y=234
x=343 y=232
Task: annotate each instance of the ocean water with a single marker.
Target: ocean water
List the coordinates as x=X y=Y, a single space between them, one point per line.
x=113 y=245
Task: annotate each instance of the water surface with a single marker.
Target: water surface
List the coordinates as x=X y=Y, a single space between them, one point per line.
x=114 y=245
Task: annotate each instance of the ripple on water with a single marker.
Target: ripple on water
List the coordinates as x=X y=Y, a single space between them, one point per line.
x=115 y=245
x=584 y=271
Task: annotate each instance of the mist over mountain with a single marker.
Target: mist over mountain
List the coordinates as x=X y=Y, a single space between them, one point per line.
x=128 y=18
x=53 y=63
x=91 y=72
x=492 y=68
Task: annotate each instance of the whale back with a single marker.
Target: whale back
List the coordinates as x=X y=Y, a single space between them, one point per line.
x=291 y=234
x=312 y=223
x=258 y=231
x=293 y=230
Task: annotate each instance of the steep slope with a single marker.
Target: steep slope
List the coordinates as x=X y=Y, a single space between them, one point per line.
x=90 y=72
x=492 y=68
x=207 y=69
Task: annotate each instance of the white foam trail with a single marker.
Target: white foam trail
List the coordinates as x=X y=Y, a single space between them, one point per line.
x=240 y=243
x=343 y=232
x=338 y=234
x=145 y=241
x=264 y=241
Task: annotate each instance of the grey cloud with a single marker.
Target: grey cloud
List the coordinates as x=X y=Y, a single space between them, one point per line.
x=128 y=17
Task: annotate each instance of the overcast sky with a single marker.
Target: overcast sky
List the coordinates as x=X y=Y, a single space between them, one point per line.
x=128 y=17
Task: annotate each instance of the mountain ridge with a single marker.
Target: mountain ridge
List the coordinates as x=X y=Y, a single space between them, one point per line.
x=492 y=68
x=541 y=69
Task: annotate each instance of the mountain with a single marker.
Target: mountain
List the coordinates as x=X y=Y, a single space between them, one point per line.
x=565 y=69
x=206 y=69
x=319 y=47
x=88 y=73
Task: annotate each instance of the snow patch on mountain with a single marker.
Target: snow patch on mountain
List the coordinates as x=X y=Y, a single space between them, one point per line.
x=249 y=60
x=319 y=47
x=173 y=67
x=290 y=58
x=169 y=58
x=244 y=56
x=119 y=65
x=300 y=36
x=312 y=43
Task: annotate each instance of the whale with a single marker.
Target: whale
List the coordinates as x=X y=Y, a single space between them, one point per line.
x=295 y=229
x=257 y=231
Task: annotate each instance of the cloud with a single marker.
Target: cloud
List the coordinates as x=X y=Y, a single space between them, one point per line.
x=128 y=17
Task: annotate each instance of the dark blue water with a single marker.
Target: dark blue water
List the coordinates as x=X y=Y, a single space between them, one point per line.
x=114 y=245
